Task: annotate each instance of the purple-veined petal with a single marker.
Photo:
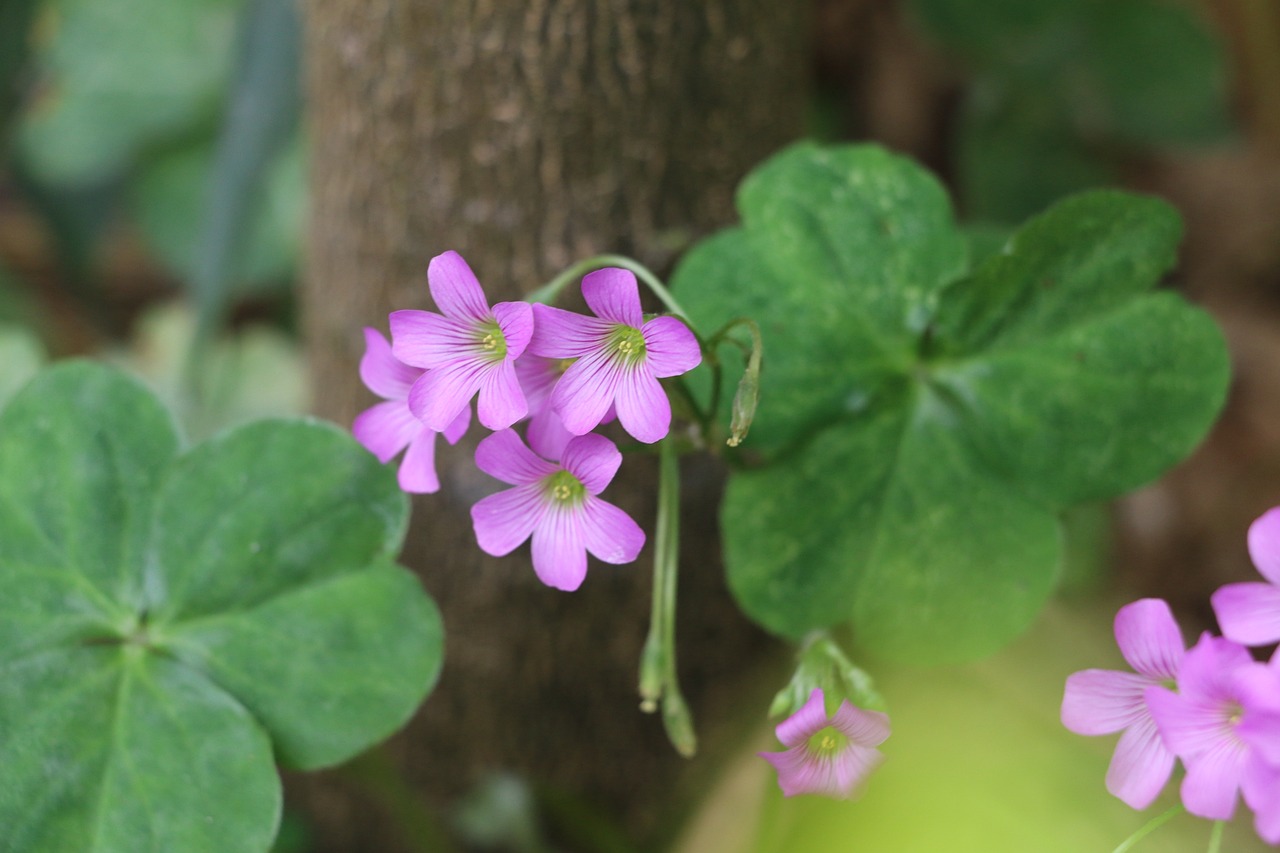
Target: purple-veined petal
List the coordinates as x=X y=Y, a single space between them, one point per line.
x=504 y=521
x=417 y=474
x=538 y=375
x=586 y=391
x=1261 y=789
x=609 y=533
x=643 y=408
x=455 y=288
x=853 y=765
x=559 y=555
x=428 y=340
x=613 y=295
x=1141 y=765
x=504 y=456
x=1213 y=779
x=386 y=428
x=1149 y=638
x=1248 y=612
x=1187 y=727
x=593 y=459
x=515 y=320
x=440 y=395
x=501 y=401
x=670 y=348
x=563 y=334
x=1264 y=544
x=1103 y=701
x=862 y=727
x=1207 y=669
x=834 y=775
x=383 y=373
x=547 y=435
x=1258 y=688
x=805 y=723
x=458 y=428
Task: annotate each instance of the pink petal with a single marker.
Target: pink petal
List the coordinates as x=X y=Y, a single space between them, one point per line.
x=609 y=533
x=614 y=295
x=383 y=373
x=593 y=459
x=538 y=375
x=417 y=474
x=559 y=555
x=440 y=395
x=1207 y=669
x=805 y=723
x=563 y=334
x=670 y=348
x=800 y=772
x=861 y=727
x=501 y=401
x=547 y=435
x=386 y=428
x=1149 y=638
x=1261 y=789
x=1213 y=778
x=458 y=428
x=1264 y=544
x=504 y=456
x=643 y=408
x=1102 y=701
x=455 y=288
x=1258 y=689
x=586 y=391
x=1187 y=728
x=505 y=520
x=1248 y=613
x=515 y=320
x=428 y=340
x=1141 y=765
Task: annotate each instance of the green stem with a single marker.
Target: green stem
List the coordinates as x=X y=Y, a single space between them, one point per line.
x=549 y=291
x=1149 y=827
x=1215 y=837
x=658 y=679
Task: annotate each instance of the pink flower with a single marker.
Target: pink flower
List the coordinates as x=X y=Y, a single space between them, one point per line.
x=830 y=756
x=469 y=348
x=1101 y=702
x=1249 y=613
x=620 y=357
x=1224 y=723
x=388 y=427
x=538 y=376
x=557 y=505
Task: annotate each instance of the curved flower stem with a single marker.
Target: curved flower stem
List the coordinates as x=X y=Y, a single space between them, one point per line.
x=549 y=291
x=1215 y=837
x=658 y=680
x=1150 y=827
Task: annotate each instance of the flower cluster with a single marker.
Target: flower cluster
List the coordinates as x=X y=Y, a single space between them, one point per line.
x=564 y=373
x=828 y=755
x=1214 y=706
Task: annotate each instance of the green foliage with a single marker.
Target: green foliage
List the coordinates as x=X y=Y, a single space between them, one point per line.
x=1059 y=87
x=170 y=619
x=924 y=422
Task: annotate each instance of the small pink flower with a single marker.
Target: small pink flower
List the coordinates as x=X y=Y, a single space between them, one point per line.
x=1101 y=702
x=388 y=427
x=1249 y=612
x=469 y=348
x=538 y=376
x=830 y=756
x=556 y=504
x=1224 y=723
x=620 y=357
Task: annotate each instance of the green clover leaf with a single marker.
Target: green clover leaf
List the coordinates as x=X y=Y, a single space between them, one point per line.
x=169 y=620
x=923 y=424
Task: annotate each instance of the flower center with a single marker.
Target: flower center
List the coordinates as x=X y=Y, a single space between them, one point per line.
x=827 y=741
x=491 y=340
x=564 y=488
x=627 y=342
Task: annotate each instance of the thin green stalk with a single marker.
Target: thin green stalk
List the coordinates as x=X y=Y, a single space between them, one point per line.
x=549 y=291
x=1215 y=837
x=1149 y=827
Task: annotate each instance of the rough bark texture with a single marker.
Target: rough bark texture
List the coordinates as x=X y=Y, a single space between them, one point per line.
x=526 y=136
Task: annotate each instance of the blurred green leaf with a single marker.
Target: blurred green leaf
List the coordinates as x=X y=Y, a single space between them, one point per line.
x=16 y=17
x=924 y=427
x=167 y=620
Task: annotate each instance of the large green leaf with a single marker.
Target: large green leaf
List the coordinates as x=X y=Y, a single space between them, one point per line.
x=168 y=620
x=952 y=415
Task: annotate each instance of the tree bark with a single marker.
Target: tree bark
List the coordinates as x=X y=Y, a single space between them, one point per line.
x=527 y=136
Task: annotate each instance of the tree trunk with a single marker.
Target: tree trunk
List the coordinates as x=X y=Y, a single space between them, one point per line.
x=527 y=136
